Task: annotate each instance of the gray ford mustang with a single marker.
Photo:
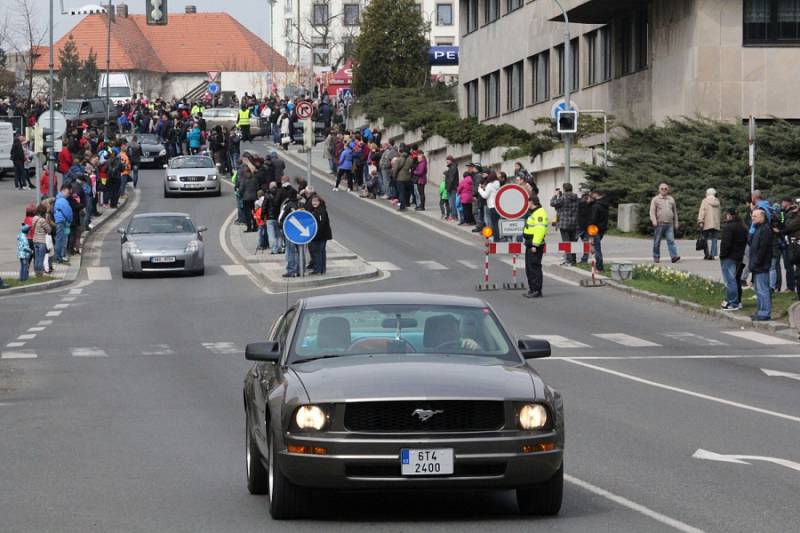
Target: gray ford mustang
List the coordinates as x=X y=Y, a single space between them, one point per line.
x=162 y=242
x=399 y=391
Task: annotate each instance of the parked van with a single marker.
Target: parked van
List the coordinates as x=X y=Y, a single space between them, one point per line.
x=6 y=140
x=119 y=88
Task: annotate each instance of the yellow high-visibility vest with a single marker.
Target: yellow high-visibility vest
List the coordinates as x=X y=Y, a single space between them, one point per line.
x=536 y=226
x=244 y=118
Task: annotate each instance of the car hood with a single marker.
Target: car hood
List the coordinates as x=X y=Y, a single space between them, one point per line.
x=161 y=241
x=152 y=147
x=391 y=377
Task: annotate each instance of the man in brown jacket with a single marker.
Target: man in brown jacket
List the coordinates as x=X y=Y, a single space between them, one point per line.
x=664 y=217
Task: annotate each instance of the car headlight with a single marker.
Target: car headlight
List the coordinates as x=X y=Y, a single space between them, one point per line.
x=162 y=152
x=213 y=177
x=172 y=178
x=193 y=246
x=311 y=417
x=532 y=416
x=132 y=248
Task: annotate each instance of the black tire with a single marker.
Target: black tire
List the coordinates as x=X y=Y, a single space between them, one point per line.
x=201 y=272
x=218 y=193
x=257 y=477
x=286 y=500
x=542 y=499
x=166 y=194
x=126 y=274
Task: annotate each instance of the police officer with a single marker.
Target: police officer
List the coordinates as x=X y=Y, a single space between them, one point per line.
x=534 y=234
x=244 y=122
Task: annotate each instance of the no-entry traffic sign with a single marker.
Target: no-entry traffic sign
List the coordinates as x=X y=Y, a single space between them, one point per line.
x=511 y=202
x=304 y=110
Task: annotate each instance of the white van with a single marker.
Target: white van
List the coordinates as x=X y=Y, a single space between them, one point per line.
x=119 y=88
x=6 y=140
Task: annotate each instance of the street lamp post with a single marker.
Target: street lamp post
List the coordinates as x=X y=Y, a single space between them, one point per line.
x=51 y=161
x=271 y=46
x=106 y=126
x=567 y=91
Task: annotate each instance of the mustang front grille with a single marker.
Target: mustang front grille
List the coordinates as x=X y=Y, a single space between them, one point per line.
x=422 y=416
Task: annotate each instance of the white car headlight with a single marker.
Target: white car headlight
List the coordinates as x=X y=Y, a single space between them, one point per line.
x=172 y=178
x=162 y=152
x=193 y=246
x=532 y=416
x=213 y=177
x=132 y=248
x=311 y=417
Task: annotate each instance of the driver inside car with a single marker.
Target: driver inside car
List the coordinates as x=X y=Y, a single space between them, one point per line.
x=445 y=330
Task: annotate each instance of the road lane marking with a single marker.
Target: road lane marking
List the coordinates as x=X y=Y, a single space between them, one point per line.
x=431 y=265
x=99 y=273
x=759 y=338
x=38 y=328
x=779 y=374
x=633 y=506
x=158 y=349
x=743 y=459
x=626 y=340
x=60 y=306
x=18 y=354
x=235 y=270
x=76 y=291
x=635 y=357
x=88 y=352
x=44 y=323
x=223 y=348
x=385 y=266
x=15 y=345
x=687 y=392
x=693 y=338
x=472 y=265
x=68 y=298
x=559 y=342
x=26 y=337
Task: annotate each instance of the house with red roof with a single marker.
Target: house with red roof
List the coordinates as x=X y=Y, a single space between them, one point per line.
x=175 y=59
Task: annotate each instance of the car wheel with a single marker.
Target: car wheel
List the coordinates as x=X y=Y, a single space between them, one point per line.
x=126 y=274
x=286 y=500
x=200 y=272
x=218 y=193
x=166 y=194
x=256 y=473
x=542 y=499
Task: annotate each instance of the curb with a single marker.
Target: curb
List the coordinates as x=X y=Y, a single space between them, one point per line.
x=55 y=284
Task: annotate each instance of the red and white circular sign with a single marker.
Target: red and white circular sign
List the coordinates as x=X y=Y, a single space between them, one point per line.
x=304 y=110
x=511 y=202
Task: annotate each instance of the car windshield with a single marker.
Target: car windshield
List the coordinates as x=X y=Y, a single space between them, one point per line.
x=71 y=108
x=191 y=162
x=116 y=92
x=163 y=224
x=400 y=329
x=149 y=139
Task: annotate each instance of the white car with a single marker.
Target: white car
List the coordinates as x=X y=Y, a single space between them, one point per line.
x=191 y=175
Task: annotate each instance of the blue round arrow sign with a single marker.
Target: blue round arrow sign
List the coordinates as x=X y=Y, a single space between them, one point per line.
x=213 y=87
x=300 y=227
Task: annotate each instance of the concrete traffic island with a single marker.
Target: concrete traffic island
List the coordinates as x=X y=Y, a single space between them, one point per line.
x=343 y=266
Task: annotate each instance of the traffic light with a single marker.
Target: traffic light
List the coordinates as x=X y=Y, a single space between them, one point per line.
x=567 y=122
x=156 y=12
x=48 y=140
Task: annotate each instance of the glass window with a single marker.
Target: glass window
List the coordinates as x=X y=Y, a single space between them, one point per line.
x=472 y=98
x=598 y=50
x=511 y=5
x=319 y=16
x=160 y=224
x=514 y=87
x=400 y=330
x=444 y=14
x=472 y=15
x=575 y=65
x=626 y=46
x=642 y=39
x=492 y=10
x=771 y=21
x=191 y=161
x=351 y=14
x=491 y=84
x=541 y=76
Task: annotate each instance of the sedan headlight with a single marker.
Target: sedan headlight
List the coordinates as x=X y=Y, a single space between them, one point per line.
x=163 y=152
x=131 y=247
x=532 y=416
x=311 y=417
x=193 y=246
x=213 y=177
x=172 y=178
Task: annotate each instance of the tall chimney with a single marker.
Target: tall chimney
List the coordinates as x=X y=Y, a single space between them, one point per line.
x=190 y=9
x=111 y=9
x=122 y=10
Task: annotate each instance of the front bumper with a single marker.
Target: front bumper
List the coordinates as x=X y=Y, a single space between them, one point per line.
x=193 y=187
x=184 y=262
x=362 y=461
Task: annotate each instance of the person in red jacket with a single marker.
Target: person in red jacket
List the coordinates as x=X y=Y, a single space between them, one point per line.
x=64 y=160
x=44 y=183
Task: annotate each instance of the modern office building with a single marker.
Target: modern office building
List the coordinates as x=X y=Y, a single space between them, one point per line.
x=640 y=60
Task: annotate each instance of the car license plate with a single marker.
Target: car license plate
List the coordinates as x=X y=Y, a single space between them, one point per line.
x=146 y=160
x=165 y=259
x=430 y=462
x=193 y=186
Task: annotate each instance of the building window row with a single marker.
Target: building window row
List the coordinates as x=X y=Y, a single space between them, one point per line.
x=491 y=85
x=351 y=14
x=771 y=22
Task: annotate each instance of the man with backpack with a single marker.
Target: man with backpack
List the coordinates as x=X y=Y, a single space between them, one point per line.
x=292 y=250
x=115 y=166
x=135 y=158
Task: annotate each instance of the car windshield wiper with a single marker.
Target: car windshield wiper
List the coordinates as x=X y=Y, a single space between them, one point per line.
x=316 y=357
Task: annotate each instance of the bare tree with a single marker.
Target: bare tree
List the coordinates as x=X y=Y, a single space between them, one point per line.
x=320 y=34
x=26 y=35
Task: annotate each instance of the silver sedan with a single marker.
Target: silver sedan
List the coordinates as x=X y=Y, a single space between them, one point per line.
x=162 y=242
x=192 y=175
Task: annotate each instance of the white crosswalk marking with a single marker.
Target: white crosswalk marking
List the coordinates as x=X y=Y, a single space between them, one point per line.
x=60 y=306
x=99 y=273
x=75 y=291
x=559 y=342
x=88 y=352
x=693 y=338
x=18 y=354
x=53 y=313
x=222 y=348
x=38 y=328
x=44 y=323
x=759 y=338
x=431 y=265
x=68 y=298
x=15 y=344
x=158 y=349
x=235 y=270
x=626 y=340
x=26 y=337
x=474 y=265
x=386 y=266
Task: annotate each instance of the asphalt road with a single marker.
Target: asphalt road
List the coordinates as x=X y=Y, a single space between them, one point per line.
x=125 y=413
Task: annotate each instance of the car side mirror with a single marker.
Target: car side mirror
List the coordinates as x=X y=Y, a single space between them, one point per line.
x=121 y=231
x=269 y=351
x=201 y=229
x=533 y=348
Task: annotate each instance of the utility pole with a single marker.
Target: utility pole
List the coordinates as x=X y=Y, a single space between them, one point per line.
x=51 y=162
x=106 y=128
x=271 y=45
x=567 y=92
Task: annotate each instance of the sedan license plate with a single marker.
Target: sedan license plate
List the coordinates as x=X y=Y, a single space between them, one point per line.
x=164 y=259
x=193 y=186
x=146 y=160
x=430 y=462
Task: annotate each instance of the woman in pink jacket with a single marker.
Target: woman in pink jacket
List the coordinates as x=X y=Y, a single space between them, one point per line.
x=465 y=195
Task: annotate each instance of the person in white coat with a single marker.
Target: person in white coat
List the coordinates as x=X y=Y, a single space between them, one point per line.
x=286 y=132
x=488 y=191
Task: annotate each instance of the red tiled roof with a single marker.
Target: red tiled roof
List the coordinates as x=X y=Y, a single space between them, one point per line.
x=190 y=43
